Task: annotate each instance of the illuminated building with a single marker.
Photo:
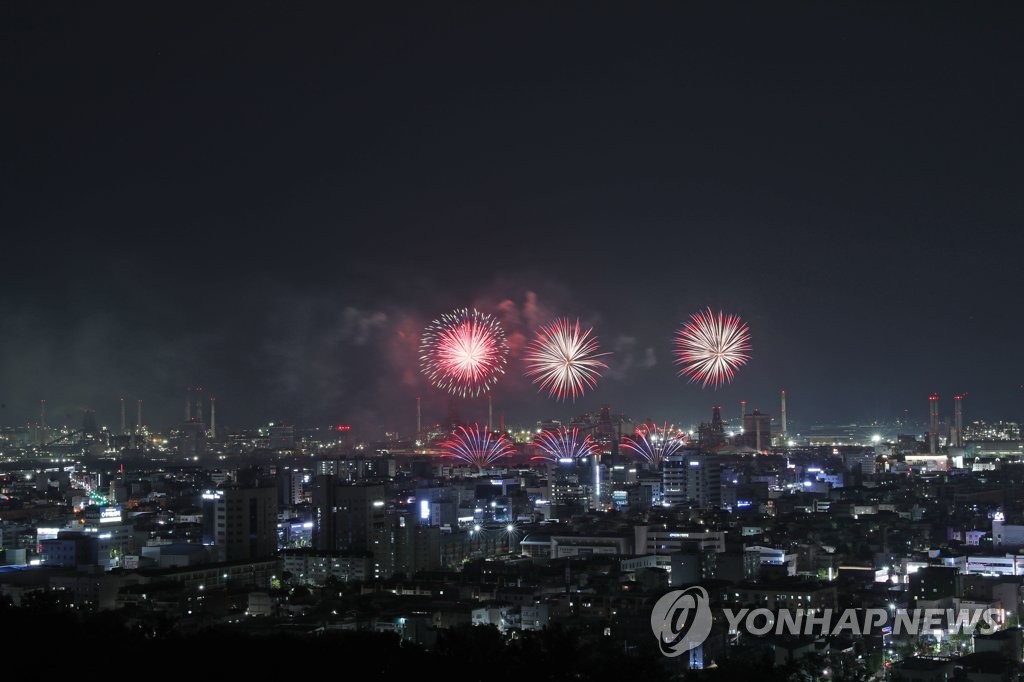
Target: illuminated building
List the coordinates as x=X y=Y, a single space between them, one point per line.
x=345 y=515
x=282 y=437
x=289 y=487
x=784 y=595
x=589 y=545
x=689 y=477
x=992 y=431
x=240 y=523
x=934 y=583
x=309 y=567
x=659 y=540
x=1007 y=536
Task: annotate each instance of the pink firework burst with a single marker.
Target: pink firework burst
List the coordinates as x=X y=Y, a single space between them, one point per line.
x=564 y=445
x=477 y=447
x=564 y=359
x=654 y=443
x=710 y=348
x=464 y=352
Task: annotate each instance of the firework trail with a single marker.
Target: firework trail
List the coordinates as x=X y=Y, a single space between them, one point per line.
x=654 y=444
x=564 y=359
x=564 y=444
x=476 y=447
x=464 y=352
x=711 y=348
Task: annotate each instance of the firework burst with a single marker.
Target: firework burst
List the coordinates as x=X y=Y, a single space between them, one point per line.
x=476 y=447
x=564 y=444
x=564 y=359
x=464 y=352
x=711 y=348
x=654 y=443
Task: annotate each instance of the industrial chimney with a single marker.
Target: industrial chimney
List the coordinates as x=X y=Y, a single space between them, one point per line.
x=783 y=416
x=199 y=405
x=933 y=423
x=213 y=417
x=958 y=420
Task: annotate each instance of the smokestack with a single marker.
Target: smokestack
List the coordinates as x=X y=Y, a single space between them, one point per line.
x=213 y=417
x=188 y=405
x=958 y=420
x=933 y=423
x=419 y=421
x=490 y=414
x=42 y=414
x=783 y=416
x=138 y=423
x=743 y=409
x=124 y=425
x=199 y=404
x=501 y=419
x=757 y=428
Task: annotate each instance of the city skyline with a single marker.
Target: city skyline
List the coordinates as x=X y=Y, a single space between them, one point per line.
x=481 y=411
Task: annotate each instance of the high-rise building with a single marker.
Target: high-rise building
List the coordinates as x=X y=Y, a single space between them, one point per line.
x=89 y=427
x=325 y=506
x=289 y=487
x=690 y=477
x=241 y=523
x=933 y=423
x=282 y=436
x=862 y=461
x=345 y=515
x=757 y=430
x=359 y=508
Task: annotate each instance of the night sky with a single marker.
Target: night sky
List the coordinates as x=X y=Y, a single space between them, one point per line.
x=271 y=200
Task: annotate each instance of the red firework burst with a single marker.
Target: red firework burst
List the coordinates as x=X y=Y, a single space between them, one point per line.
x=564 y=360
x=711 y=348
x=564 y=444
x=654 y=443
x=464 y=352
x=477 y=447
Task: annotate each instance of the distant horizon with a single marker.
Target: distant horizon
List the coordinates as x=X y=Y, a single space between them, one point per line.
x=793 y=420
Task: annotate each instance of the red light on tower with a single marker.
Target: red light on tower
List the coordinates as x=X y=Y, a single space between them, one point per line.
x=344 y=427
